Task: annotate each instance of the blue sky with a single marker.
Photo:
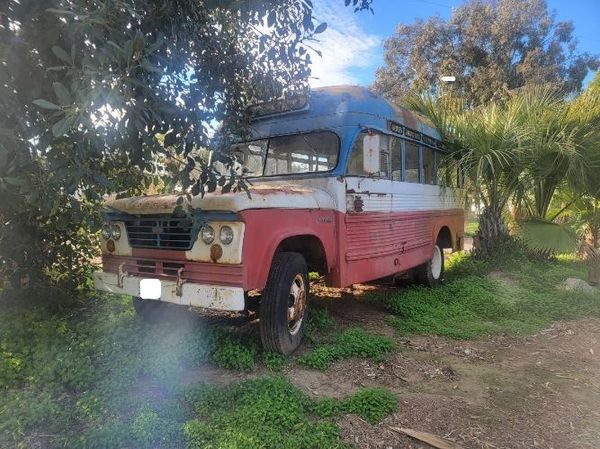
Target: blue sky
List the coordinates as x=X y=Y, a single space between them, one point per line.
x=352 y=45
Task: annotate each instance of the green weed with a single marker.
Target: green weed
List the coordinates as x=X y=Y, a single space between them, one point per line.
x=520 y=297
x=273 y=360
x=350 y=343
x=371 y=404
x=274 y=413
x=319 y=321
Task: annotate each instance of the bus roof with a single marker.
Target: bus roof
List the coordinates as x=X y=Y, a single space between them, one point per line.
x=338 y=106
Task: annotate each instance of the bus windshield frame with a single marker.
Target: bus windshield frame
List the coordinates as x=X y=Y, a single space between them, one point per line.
x=308 y=159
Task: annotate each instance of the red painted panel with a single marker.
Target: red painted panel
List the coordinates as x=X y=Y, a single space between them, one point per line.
x=359 y=247
x=381 y=244
x=159 y=267
x=267 y=228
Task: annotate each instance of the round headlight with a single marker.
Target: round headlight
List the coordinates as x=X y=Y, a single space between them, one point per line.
x=116 y=231
x=207 y=234
x=106 y=232
x=226 y=235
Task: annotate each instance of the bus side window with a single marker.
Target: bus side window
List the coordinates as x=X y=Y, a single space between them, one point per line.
x=396 y=156
x=412 y=162
x=355 y=161
x=428 y=176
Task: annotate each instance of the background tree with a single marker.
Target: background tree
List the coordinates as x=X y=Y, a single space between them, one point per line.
x=86 y=87
x=491 y=47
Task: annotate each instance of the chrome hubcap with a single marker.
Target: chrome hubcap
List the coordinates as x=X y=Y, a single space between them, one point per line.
x=296 y=304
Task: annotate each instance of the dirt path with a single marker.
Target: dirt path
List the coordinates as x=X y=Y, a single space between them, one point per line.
x=541 y=391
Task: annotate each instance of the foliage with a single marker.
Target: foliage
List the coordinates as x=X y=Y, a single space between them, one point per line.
x=372 y=404
x=274 y=360
x=491 y=47
x=100 y=97
x=319 y=320
x=519 y=150
x=548 y=237
x=271 y=412
x=515 y=296
x=92 y=374
x=233 y=354
x=352 y=342
x=266 y=412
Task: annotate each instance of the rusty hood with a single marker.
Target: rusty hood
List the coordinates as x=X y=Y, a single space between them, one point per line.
x=262 y=196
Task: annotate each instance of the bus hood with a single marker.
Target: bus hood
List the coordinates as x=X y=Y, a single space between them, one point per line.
x=262 y=196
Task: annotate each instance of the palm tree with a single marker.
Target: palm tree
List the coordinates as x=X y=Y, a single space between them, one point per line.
x=486 y=146
x=521 y=151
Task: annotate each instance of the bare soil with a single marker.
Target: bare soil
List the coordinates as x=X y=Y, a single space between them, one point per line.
x=540 y=391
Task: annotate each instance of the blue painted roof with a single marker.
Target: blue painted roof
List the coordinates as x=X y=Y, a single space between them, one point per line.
x=342 y=106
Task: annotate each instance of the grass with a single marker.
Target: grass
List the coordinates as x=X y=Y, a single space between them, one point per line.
x=523 y=297
x=90 y=374
x=352 y=342
x=73 y=372
x=271 y=412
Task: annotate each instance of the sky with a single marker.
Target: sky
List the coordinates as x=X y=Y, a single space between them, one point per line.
x=352 y=45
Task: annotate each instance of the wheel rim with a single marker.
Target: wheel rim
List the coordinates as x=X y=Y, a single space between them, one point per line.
x=436 y=262
x=297 y=304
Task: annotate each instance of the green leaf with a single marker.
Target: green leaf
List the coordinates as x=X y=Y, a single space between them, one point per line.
x=62 y=93
x=45 y=104
x=63 y=125
x=16 y=181
x=543 y=235
x=61 y=54
x=321 y=27
x=271 y=18
x=60 y=12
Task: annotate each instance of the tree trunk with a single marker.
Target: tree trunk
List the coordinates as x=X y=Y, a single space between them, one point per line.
x=492 y=234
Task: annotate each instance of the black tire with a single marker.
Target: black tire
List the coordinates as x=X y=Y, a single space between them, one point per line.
x=279 y=332
x=431 y=273
x=150 y=310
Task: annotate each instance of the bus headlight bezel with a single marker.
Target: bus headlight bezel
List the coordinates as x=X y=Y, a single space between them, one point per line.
x=207 y=234
x=226 y=235
x=115 y=231
x=106 y=231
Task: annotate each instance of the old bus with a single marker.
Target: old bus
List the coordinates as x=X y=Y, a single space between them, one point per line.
x=343 y=184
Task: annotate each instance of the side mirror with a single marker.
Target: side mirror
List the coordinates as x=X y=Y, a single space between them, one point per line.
x=371 y=157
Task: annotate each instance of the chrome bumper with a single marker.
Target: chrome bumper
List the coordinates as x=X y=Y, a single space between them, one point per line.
x=196 y=295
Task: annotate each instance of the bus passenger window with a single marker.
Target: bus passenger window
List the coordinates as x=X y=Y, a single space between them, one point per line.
x=412 y=162
x=428 y=175
x=355 y=162
x=396 y=156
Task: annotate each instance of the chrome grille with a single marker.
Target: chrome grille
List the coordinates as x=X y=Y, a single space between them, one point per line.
x=155 y=231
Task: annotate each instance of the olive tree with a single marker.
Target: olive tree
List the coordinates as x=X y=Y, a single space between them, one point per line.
x=86 y=88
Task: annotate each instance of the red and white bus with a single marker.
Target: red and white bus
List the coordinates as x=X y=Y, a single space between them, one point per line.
x=343 y=184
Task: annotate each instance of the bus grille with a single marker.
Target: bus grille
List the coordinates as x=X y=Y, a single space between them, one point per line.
x=163 y=232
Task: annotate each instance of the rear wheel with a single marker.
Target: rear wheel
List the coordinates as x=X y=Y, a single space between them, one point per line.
x=283 y=303
x=431 y=273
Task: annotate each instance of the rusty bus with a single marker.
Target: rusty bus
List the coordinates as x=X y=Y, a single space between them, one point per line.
x=343 y=184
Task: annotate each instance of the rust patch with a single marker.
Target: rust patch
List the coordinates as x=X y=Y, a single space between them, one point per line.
x=144 y=203
x=273 y=190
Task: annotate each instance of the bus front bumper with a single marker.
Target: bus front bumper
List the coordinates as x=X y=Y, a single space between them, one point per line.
x=215 y=297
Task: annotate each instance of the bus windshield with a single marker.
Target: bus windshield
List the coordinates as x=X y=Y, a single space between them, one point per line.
x=284 y=155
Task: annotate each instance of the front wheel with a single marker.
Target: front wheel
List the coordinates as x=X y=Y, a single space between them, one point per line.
x=431 y=273
x=283 y=303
